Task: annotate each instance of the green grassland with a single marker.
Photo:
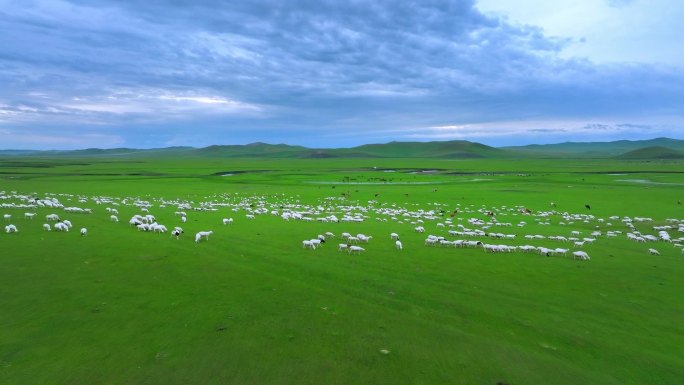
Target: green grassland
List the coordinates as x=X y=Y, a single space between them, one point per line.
x=251 y=306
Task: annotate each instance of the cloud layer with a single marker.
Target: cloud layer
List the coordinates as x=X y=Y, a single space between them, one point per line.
x=327 y=73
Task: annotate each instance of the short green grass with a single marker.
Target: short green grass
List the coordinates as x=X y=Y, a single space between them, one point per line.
x=250 y=306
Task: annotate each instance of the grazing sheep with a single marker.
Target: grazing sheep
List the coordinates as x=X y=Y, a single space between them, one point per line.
x=184 y=219
x=84 y=232
x=176 y=233
x=394 y=236
x=580 y=255
x=156 y=227
x=52 y=217
x=328 y=234
x=29 y=215
x=67 y=222
x=11 y=229
x=47 y=227
x=309 y=245
x=342 y=246
x=364 y=238
x=61 y=226
x=227 y=221
x=204 y=234
x=114 y=218
x=653 y=252
x=398 y=245
x=356 y=249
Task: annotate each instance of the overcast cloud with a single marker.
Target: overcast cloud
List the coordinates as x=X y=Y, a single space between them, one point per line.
x=326 y=74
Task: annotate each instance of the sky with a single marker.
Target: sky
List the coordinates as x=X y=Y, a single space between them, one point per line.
x=330 y=73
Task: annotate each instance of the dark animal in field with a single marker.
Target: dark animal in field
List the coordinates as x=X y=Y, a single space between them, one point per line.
x=588 y=207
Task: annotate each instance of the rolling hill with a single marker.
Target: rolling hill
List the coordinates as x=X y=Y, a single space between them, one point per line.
x=595 y=149
x=653 y=152
x=659 y=148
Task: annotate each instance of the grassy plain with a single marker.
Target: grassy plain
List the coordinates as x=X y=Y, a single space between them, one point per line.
x=250 y=306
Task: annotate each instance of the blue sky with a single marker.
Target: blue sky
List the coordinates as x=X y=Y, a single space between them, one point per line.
x=104 y=73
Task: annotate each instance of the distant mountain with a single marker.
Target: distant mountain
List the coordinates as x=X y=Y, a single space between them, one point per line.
x=654 y=152
x=595 y=149
x=450 y=149
x=98 y=152
x=660 y=148
x=257 y=149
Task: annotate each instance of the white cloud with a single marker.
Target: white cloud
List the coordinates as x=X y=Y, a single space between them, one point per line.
x=142 y=105
x=20 y=140
x=604 y=31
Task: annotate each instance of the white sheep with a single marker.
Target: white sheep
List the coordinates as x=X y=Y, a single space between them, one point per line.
x=176 y=233
x=317 y=242
x=29 y=215
x=67 y=222
x=398 y=245
x=61 y=226
x=227 y=221
x=114 y=218
x=11 y=229
x=52 y=217
x=204 y=234
x=364 y=237
x=309 y=245
x=84 y=231
x=342 y=246
x=580 y=255
x=653 y=252
x=357 y=249
x=184 y=219
x=46 y=227
x=328 y=234
x=394 y=236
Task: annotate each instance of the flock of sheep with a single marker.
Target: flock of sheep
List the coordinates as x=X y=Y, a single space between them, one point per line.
x=64 y=225
x=468 y=226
